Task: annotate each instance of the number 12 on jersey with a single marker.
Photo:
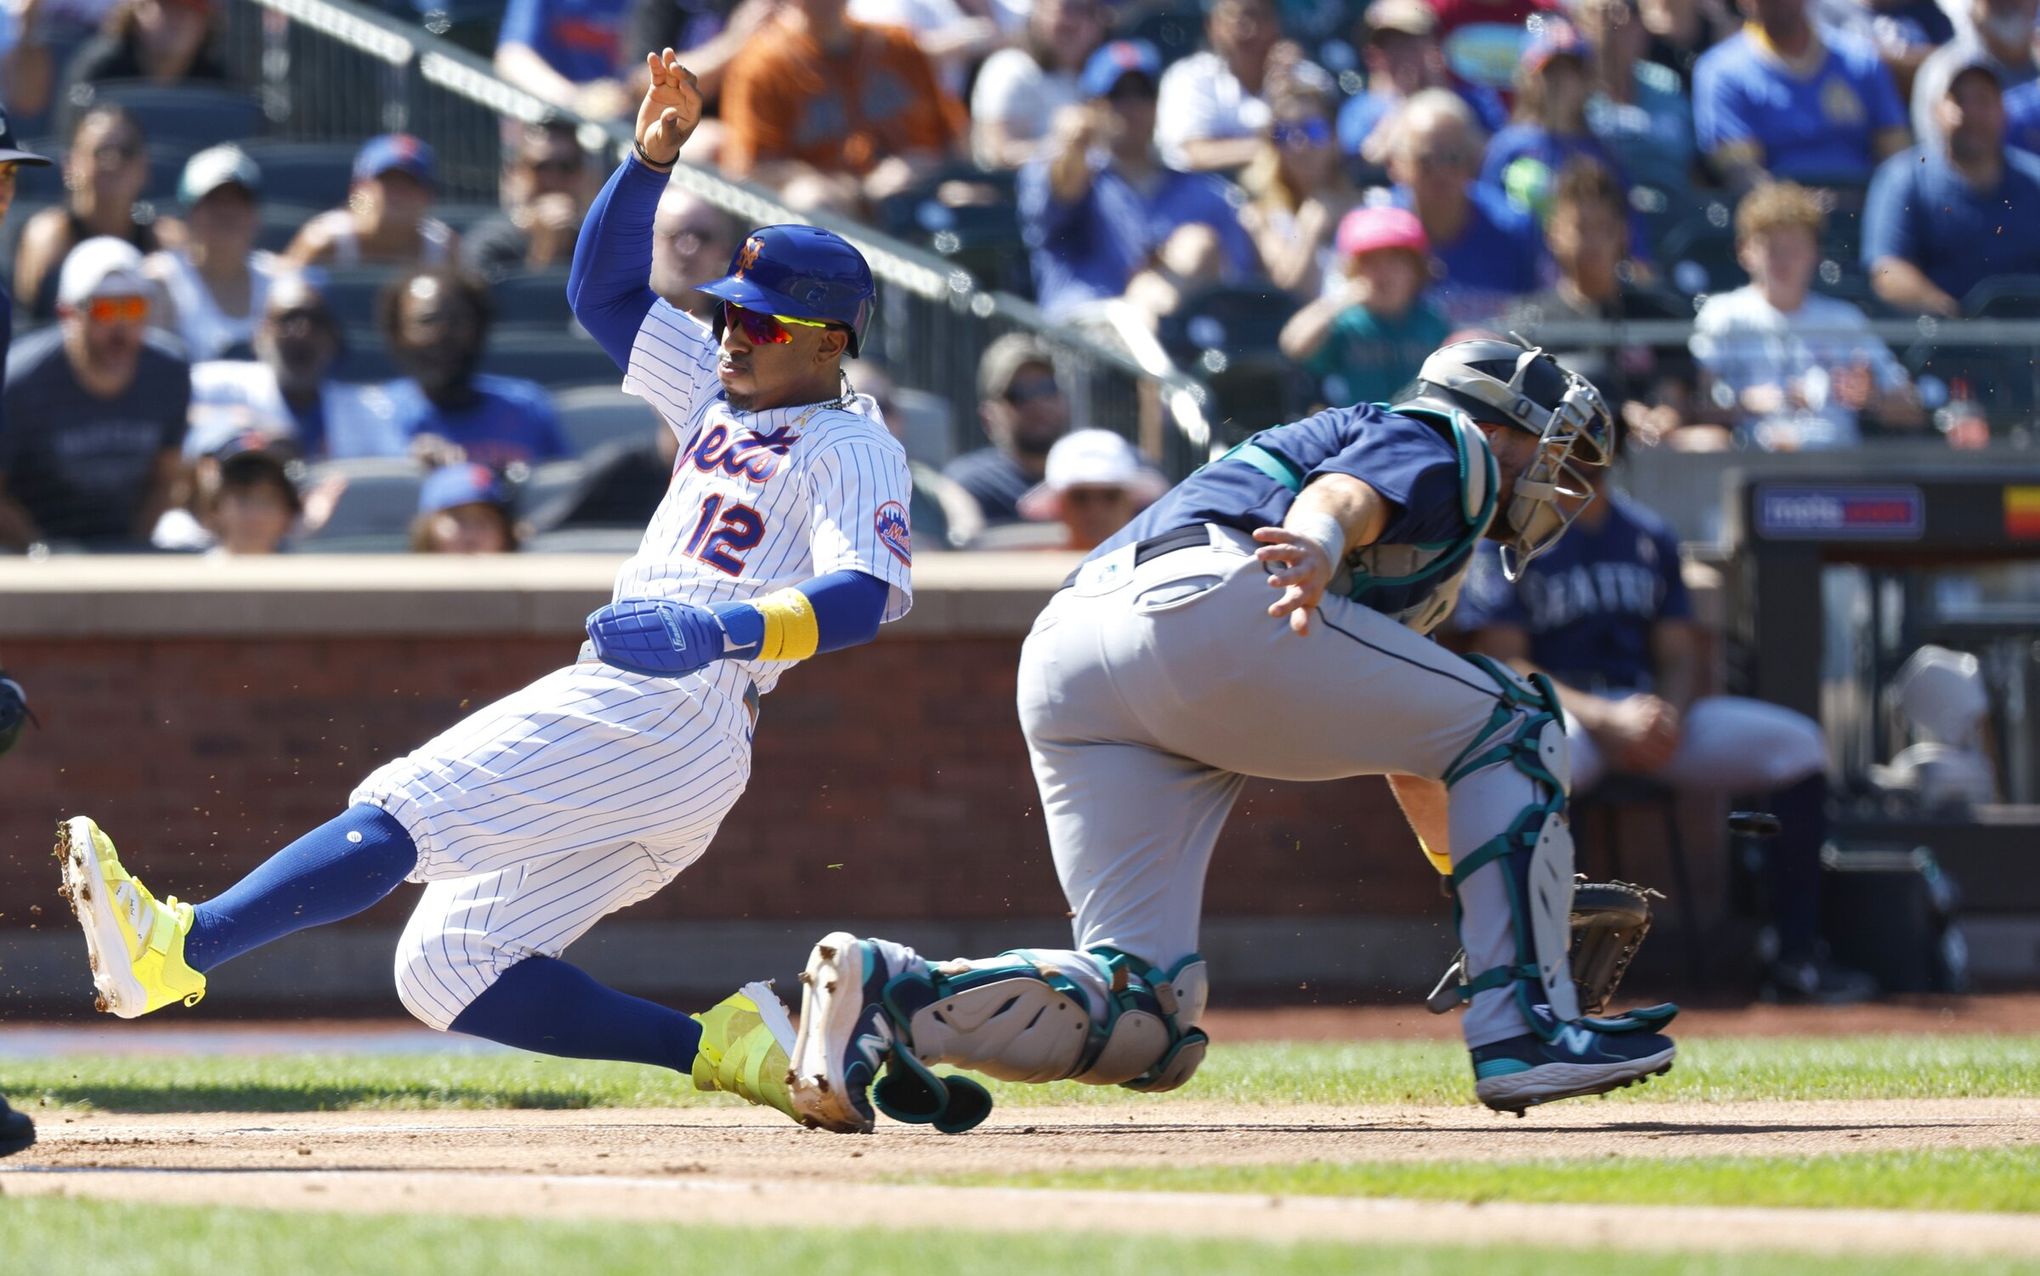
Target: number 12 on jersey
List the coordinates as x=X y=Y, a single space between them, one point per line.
x=723 y=536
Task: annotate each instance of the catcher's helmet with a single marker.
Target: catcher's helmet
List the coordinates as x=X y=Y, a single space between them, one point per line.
x=1509 y=384
x=804 y=272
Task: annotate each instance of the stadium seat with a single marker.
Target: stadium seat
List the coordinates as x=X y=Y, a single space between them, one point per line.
x=549 y=359
x=185 y=117
x=1227 y=337
x=314 y=174
x=536 y=300
x=2004 y=297
x=281 y=223
x=1698 y=252
x=463 y=216
x=1174 y=31
x=592 y=415
x=377 y=502
x=351 y=294
x=968 y=215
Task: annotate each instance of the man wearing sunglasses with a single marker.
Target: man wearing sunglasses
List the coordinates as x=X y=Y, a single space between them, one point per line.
x=782 y=534
x=95 y=411
x=545 y=189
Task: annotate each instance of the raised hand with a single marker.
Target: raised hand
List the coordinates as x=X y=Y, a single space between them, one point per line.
x=671 y=109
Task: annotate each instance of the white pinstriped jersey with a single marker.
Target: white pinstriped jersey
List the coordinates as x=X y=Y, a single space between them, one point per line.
x=762 y=500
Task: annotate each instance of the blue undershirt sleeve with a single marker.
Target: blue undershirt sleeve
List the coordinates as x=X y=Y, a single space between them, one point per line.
x=849 y=607
x=607 y=285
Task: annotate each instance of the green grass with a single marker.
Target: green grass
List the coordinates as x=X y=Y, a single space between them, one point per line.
x=72 y=1237
x=1250 y=1075
x=1979 y=1179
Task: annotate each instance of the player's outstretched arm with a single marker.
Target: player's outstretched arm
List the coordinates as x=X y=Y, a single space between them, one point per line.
x=608 y=285
x=666 y=638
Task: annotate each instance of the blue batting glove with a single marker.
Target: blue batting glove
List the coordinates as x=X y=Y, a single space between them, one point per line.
x=657 y=637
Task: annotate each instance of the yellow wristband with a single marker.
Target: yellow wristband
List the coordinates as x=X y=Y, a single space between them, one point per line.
x=1443 y=863
x=791 y=632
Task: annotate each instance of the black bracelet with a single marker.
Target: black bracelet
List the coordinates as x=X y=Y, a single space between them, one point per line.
x=649 y=162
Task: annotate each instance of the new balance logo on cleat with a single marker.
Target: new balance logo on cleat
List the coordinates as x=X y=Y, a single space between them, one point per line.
x=874 y=1044
x=1522 y=1072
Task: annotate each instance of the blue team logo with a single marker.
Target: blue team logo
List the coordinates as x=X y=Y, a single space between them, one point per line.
x=893 y=533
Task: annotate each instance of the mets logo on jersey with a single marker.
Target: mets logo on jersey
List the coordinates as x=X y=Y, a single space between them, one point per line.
x=749 y=256
x=893 y=533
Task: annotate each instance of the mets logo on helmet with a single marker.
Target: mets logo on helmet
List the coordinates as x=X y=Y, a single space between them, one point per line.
x=893 y=533
x=749 y=256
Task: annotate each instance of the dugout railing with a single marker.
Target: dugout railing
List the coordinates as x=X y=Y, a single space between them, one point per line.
x=337 y=71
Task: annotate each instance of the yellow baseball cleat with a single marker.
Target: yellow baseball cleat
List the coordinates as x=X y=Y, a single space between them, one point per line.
x=135 y=941
x=745 y=1040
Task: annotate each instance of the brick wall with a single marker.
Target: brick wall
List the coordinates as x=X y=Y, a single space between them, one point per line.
x=900 y=763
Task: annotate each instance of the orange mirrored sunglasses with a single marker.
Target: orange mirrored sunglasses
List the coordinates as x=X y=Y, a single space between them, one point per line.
x=761 y=329
x=117 y=309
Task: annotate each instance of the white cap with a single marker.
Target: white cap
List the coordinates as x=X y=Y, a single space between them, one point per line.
x=1090 y=458
x=214 y=167
x=102 y=267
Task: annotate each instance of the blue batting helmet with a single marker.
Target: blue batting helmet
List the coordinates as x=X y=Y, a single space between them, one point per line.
x=804 y=272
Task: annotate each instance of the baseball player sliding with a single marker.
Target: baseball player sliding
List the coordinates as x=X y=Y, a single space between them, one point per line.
x=1161 y=676
x=783 y=534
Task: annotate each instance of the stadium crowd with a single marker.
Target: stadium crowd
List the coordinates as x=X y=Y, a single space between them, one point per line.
x=219 y=350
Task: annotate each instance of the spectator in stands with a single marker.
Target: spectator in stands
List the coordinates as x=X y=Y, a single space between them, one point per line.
x=241 y=500
x=1904 y=32
x=1488 y=249
x=1606 y=615
x=708 y=34
x=1483 y=40
x=1097 y=207
x=1402 y=59
x=1550 y=125
x=104 y=170
x=161 y=41
x=12 y=160
x=692 y=243
x=1093 y=484
x=215 y=285
x=1943 y=217
x=1021 y=403
x=955 y=35
x=545 y=192
x=1365 y=340
x=464 y=509
x=1679 y=31
x=1650 y=387
x=568 y=53
x=289 y=390
x=94 y=411
x=1210 y=112
x=2022 y=118
x=1782 y=99
x=1296 y=193
x=436 y=325
x=830 y=111
x=1999 y=35
x=1792 y=368
x=1637 y=109
x=1019 y=90
x=387 y=220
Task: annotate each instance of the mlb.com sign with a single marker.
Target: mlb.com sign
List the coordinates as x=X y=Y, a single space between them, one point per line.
x=1837 y=512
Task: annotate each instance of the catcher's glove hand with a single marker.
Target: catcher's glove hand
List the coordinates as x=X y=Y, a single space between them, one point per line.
x=1609 y=921
x=13 y=711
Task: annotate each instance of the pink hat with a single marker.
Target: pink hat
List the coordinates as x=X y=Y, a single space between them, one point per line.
x=1367 y=230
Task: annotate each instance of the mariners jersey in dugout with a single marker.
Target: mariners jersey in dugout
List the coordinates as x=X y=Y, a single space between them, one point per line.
x=760 y=501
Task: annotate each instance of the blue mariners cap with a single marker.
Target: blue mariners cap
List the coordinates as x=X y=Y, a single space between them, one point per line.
x=452 y=485
x=10 y=150
x=395 y=152
x=803 y=272
x=1114 y=61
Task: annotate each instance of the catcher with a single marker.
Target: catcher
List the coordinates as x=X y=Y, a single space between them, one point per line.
x=16 y=1130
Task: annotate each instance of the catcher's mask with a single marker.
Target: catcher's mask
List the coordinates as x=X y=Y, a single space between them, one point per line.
x=1521 y=386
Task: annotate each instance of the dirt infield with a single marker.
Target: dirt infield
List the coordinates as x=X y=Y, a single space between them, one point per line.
x=735 y=1166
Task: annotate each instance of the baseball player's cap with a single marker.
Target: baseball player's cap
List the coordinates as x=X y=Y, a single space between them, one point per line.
x=10 y=150
x=1407 y=17
x=102 y=267
x=214 y=167
x=1090 y=458
x=1553 y=37
x=1003 y=359
x=468 y=484
x=395 y=152
x=1113 y=62
x=1368 y=230
x=803 y=272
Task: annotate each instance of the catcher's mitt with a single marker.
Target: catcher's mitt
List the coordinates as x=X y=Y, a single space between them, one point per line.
x=1609 y=921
